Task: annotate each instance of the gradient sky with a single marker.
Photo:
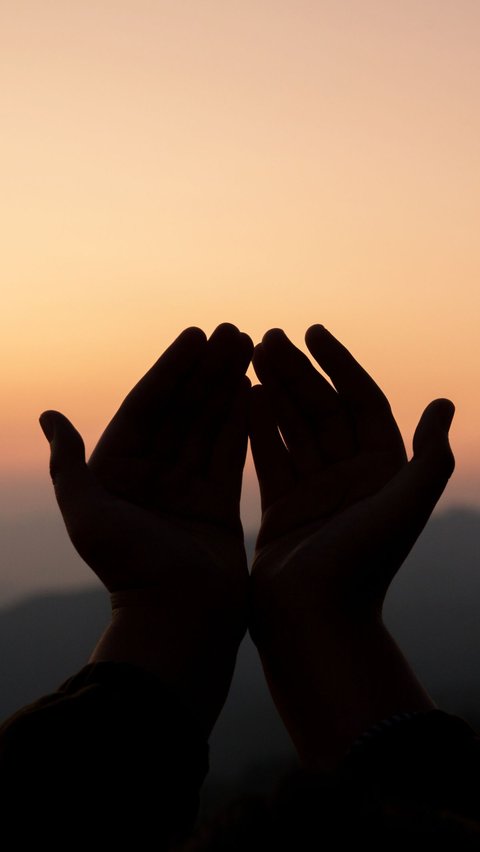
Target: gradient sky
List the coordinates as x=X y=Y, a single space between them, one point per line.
x=268 y=163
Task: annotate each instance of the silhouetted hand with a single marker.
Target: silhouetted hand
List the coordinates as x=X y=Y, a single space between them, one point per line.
x=155 y=514
x=341 y=509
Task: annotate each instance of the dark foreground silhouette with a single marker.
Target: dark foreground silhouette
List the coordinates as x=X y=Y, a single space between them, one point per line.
x=121 y=748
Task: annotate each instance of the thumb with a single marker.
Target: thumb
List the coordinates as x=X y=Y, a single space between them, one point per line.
x=408 y=500
x=432 y=454
x=413 y=493
x=73 y=482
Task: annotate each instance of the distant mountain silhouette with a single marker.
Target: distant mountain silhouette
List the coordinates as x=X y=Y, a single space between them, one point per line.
x=45 y=639
x=433 y=610
x=37 y=557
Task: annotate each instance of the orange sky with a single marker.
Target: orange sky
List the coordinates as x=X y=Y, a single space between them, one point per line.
x=266 y=163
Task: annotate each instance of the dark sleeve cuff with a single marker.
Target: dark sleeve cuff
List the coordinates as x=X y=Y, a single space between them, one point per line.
x=409 y=782
x=431 y=757
x=109 y=743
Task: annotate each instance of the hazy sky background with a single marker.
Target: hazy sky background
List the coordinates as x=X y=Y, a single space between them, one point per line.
x=265 y=163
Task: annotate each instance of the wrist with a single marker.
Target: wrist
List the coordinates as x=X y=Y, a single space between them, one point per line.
x=331 y=680
x=190 y=657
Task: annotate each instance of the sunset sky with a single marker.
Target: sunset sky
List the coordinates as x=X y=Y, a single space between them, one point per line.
x=268 y=163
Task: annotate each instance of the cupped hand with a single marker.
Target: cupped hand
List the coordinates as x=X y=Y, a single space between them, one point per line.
x=340 y=501
x=155 y=512
x=341 y=509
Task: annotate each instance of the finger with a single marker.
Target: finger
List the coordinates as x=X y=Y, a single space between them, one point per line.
x=313 y=394
x=135 y=425
x=230 y=448
x=227 y=355
x=375 y=425
x=431 y=446
x=200 y=442
x=202 y=403
x=272 y=460
x=75 y=487
x=294 y=426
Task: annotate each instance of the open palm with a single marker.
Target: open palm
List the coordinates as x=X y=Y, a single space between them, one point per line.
x=157 y=506
x=341 y=505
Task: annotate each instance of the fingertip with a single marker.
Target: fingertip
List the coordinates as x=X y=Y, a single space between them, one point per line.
x=319 y=344
x=193 y=333
x=446 y=412
x=47 y=424
x=228 y=340
x=274 y=335
x=430 y=441
x=316 y=337
x=315 y=332
x=439 y=412
x=50 y=421
x=225 y=329
x=316 y=328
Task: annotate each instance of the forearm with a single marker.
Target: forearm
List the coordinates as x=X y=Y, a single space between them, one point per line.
x=352 y=677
